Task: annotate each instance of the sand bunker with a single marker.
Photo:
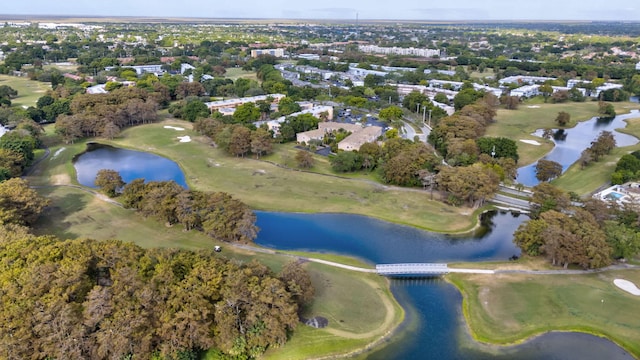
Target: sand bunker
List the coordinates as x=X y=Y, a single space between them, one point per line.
x=57 y=153
x=185 y=138
x=627 y=286
x=173 y=127
x=533 y=107
x=530 y=142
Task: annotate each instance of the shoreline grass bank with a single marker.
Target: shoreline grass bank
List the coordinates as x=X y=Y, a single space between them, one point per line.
x=510 y=309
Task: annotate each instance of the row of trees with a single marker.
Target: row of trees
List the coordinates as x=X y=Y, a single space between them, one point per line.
x=216 y=214
x=86 y=299
x=590 y=235
x=601 y=146
x=240 y=140
x=236 y=140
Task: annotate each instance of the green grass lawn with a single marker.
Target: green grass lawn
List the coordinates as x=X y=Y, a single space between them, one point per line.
x=506 y=309
x=236 y=73
x=29 y=91
x=265 y=186
x=285 y=154
x=367 y=298
x=587 y=180
x=532 y=115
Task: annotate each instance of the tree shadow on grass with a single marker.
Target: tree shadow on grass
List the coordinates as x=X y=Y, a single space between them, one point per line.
x=56 y=218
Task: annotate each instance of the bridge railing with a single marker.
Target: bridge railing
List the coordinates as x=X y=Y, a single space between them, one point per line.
x=412 y=269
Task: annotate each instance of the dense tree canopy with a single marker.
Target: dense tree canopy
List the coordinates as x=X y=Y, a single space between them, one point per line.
x=565 y=239
x=547 y=170
x=216 y=214
x=109 y=181
x=84 y=299
x=498 y=147
x=627 y=169
x=19 y=204
x=471 y=185
x=91 y=113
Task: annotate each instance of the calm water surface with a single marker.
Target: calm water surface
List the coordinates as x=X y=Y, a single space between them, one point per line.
x=434 y=327
x=130 y=164
x=569 y=143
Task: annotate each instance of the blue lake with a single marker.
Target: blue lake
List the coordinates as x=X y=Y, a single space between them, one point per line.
x=434 y=327
x=130 y=164
x=569 y=143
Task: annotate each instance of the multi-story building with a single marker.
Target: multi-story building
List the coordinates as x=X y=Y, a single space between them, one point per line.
x=273 y=52
x=399 y=51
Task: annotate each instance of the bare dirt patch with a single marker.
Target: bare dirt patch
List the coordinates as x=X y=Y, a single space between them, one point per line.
x=60 y=179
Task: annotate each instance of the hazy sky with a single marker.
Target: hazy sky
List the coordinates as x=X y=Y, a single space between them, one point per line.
x=338 y=9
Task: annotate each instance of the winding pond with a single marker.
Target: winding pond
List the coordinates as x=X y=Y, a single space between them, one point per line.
x=569 y=143
x=434 y=327
x=130 y=164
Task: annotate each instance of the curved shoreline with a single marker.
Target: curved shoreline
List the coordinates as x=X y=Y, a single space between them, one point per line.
x=473 y=214
x=526 y=337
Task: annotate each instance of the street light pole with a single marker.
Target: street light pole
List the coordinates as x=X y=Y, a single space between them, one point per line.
x=429 y=118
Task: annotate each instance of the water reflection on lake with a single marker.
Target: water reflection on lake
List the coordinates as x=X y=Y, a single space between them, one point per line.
x=569 y=143
x=130 y=164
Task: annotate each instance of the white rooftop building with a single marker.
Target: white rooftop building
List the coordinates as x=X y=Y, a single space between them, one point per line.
x=97 y=89
x=232 y=103
x=399 y=51
x=273 y=52
x=526 y=91
x=521 y=79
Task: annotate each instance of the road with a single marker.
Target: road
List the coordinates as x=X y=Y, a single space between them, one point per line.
x=511 y=202
x=410 y=133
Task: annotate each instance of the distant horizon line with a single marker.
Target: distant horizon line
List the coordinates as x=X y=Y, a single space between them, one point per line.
x=4 y=17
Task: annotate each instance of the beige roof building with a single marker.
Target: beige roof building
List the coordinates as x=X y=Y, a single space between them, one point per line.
x=305 y=137
x=358 y=138
x=359 y=134
x=324 y=128
x=334 y=126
